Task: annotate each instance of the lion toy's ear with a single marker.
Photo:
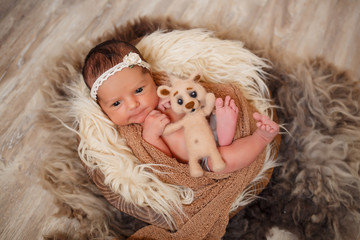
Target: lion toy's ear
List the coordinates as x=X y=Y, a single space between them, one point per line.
x=163 y=91
x=196 y=76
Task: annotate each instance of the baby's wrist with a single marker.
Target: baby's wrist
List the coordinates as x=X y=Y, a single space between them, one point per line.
x=150 y=137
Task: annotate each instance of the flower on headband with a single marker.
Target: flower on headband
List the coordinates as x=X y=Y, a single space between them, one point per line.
x=132 y=59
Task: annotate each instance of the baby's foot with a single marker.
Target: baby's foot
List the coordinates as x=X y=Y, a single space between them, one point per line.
x=226 y=118
x=267 y=128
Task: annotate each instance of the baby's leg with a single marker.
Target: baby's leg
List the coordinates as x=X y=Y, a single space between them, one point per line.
x=267 y=128
x=226 y=118
x=243 y=151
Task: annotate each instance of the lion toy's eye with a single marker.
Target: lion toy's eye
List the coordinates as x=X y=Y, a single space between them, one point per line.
x=193 y=94
x=180 y=101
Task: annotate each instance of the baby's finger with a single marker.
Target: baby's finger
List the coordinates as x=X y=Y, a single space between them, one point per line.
x=165 y=121
x=163 y=116
x=161 y=107
x=167 y=105
x=153 y=112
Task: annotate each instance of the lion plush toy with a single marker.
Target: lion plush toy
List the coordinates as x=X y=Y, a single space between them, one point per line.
x=189 y=97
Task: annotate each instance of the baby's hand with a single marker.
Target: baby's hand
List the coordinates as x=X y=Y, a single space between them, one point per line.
x=164 y=103
x=154 y=125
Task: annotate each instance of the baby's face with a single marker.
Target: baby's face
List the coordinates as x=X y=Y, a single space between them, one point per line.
x=128 y=96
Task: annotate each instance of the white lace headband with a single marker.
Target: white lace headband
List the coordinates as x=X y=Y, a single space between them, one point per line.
x=128 y=61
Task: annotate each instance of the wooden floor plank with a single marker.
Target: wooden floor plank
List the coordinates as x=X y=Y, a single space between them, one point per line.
x=34 y=32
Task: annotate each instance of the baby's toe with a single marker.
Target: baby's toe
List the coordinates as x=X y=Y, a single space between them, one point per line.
x=268 y=128
x=265 y=119
x=219 y=103
x=233 y=105
x=236 y=110
x=227 y=101
x=257 y=116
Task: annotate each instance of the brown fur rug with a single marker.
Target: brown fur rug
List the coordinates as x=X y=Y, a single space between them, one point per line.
x=315 y=194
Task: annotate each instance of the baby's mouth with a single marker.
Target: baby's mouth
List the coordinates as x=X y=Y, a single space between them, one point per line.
x=139 y=113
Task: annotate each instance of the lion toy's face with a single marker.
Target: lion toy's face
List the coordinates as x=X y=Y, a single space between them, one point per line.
x=185 y=95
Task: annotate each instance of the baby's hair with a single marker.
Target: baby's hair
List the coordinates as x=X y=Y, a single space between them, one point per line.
x=103 y=57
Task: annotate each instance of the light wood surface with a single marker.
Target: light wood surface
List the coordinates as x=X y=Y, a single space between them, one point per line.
x=33 y=32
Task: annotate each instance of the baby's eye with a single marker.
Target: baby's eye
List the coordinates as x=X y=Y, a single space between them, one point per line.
x=139 y=90
x=117 y=103
x=193 y=94
x=180 y=101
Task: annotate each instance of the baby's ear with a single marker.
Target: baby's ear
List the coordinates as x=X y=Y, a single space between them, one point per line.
x=163 y=91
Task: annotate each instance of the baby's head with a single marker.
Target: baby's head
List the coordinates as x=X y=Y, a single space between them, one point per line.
x=120 y=81
x=105 y=56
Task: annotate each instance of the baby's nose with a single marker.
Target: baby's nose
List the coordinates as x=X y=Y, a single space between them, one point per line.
x=133 y=103
x=190 y=105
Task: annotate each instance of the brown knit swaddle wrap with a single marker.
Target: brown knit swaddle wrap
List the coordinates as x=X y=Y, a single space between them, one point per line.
x=208 y=215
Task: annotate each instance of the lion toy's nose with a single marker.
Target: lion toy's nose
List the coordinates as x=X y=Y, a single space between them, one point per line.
x=190 y=105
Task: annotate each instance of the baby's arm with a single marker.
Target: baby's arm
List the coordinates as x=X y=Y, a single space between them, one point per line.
x=176 y=123
x=153 y=128
x=173 y=127
x=243 y=151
